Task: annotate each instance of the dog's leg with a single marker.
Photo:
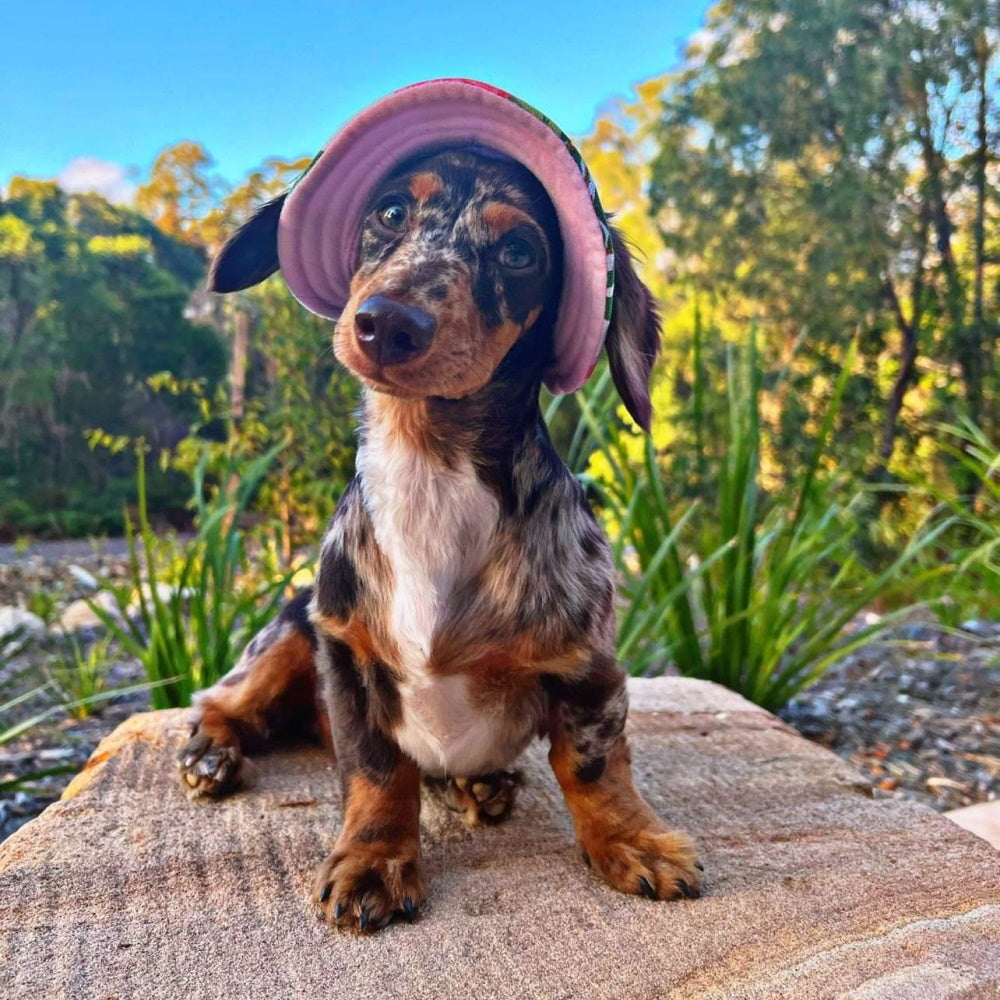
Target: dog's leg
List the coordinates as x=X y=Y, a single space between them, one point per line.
x=622 y=838
x=374 y=871
x=272 y=687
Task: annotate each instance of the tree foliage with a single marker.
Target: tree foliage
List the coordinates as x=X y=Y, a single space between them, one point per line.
x=827 y=168
x=824 y=171
x=92 y=300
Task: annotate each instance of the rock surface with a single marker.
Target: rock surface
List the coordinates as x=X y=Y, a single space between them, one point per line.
x=813 y=890
x=982 y=819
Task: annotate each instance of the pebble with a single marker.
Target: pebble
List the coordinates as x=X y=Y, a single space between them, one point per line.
x=84 y=577
x=79 y=616
x=984 y=630
x=17 y=628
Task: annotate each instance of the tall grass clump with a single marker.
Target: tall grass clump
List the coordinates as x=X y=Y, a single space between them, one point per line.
x=191 y=608
x=79 y=672
x=753 y=592
x=971 y=586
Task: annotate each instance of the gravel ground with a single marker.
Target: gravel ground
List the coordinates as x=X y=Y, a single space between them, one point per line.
x=58 y=747
x=55 y=751
x=919 y=716
x=63 y=551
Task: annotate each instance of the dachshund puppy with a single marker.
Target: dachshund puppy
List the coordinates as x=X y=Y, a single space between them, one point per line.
x=464 y=602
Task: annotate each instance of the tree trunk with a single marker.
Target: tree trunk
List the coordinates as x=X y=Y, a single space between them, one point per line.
x=978 y=331
x=238 y=372
x=909 y=331
x=907 y=366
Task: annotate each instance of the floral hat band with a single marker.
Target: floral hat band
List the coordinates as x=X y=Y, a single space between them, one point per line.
x=319 y=230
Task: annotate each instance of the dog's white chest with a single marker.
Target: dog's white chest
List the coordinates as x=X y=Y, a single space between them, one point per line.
x=434 y=526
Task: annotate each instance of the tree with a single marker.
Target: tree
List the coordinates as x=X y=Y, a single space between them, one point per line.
x=285 y=386
x=182 y=198
x=92 y=301
x=294 y=389
x=827 y=168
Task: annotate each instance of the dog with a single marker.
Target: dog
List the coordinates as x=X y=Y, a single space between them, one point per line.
x=464 y=602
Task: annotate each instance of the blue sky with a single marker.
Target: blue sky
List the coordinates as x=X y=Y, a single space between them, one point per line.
x=92 y=91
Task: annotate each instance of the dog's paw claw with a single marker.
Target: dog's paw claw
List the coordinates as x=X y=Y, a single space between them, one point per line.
x=361 y=890
x=688 y=891
x=657 y=864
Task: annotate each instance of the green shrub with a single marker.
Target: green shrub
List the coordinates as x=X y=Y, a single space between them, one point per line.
x=961 y=575
x=750 y=591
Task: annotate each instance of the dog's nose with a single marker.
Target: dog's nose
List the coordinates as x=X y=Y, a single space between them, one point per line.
x=391 y=332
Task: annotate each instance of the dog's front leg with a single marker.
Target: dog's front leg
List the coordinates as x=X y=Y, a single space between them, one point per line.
x=623 y=840
x=374 y=870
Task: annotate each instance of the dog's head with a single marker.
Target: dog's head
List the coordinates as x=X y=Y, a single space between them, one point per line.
x=460 y=259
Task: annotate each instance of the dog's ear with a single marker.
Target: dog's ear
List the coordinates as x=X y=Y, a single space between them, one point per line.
x=251 y=254
x=633 y=339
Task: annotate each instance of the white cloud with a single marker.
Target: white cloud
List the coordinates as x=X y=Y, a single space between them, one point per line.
x=87 y=173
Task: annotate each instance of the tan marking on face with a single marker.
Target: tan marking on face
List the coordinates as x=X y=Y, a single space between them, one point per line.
x=501 y=218
x=425 y=185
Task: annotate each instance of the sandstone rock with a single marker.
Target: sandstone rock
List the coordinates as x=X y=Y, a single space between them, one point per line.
x=982 y=819
x=812 y=889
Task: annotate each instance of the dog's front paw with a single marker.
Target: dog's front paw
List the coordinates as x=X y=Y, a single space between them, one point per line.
x=657 y=864
x=362 y=886
x=209 y=767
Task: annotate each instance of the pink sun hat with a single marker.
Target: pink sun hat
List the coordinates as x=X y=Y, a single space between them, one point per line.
x=319 y=230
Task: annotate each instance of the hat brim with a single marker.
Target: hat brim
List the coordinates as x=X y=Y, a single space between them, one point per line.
x=319 y=230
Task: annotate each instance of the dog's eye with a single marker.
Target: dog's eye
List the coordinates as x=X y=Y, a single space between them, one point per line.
x=393 y=215
x=517 y=254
